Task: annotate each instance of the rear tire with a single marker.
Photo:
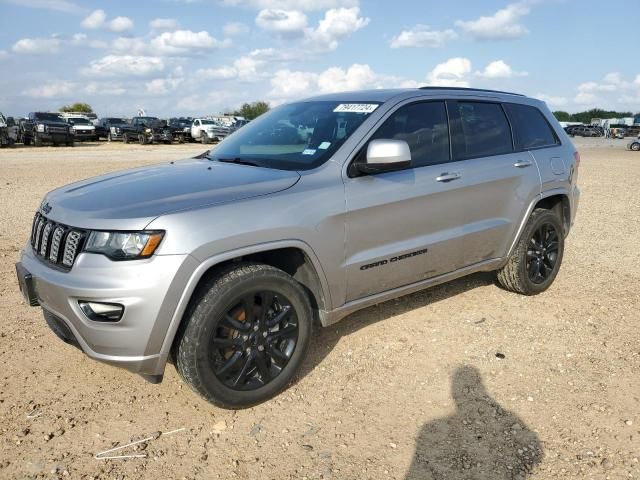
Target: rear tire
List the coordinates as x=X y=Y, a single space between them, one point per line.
x=535 y=261
x=229 y=350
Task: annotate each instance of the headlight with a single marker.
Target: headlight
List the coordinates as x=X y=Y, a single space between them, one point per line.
x=147 y=130
x=124 y=245
x=41 y=127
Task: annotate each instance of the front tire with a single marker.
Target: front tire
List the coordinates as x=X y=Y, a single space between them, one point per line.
x=535 y=261
x=635 y=147
x=245 y=335
x=204 y=138
x=125 y=138
x=37 y=141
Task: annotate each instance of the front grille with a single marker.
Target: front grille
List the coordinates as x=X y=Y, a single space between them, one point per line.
x=57 y=129
x=55 y=243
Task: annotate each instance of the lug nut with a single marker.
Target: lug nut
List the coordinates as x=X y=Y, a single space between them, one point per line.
x=248 y=350
x=260 y=348
x=245 y=337
x=264 y=334
x=255 y=328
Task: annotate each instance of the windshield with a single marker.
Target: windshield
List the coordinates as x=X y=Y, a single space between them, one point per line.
x=116 y=120
x=208 y=122
x=79 y=121
x=297 y=136
x=48 y=116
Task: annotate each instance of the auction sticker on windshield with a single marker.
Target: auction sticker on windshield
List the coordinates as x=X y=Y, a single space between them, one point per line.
x=356 y=107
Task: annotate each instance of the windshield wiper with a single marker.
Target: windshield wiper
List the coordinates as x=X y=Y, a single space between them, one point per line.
x=239 y=161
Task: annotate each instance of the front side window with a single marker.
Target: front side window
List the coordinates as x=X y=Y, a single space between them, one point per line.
x=297 y=136
x=530 y=128
x=483 y=130
x=424 y=127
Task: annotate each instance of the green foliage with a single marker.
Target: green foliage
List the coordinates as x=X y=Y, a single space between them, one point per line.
x=585 y=117
x=77 y=107
x=251 y=110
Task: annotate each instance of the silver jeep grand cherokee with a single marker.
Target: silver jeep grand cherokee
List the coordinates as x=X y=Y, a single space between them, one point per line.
x=316 y=209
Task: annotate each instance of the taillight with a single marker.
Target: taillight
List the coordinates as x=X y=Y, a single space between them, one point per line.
x=576 y=156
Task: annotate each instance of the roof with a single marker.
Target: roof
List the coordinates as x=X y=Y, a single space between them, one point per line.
x=383 y=95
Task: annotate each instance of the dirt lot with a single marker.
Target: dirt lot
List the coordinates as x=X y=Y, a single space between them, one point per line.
x=411 y=388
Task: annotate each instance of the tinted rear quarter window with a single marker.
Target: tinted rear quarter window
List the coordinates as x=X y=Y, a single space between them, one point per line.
x=482 y=130
x=530 y=128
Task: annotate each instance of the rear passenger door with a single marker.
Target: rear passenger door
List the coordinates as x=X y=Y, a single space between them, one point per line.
x=499 y=182
x=532 y=132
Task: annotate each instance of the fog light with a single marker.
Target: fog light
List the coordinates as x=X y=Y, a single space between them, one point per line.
x=102 y=312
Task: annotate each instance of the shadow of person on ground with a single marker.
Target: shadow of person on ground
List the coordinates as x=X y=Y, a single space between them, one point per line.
x=481 y=440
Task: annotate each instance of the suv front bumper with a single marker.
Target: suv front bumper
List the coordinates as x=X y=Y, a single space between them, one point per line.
x=148 y=289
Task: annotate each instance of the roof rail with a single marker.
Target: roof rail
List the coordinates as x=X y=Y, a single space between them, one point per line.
x=466 y=89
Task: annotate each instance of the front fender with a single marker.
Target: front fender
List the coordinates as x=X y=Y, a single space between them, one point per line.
x=205 y=265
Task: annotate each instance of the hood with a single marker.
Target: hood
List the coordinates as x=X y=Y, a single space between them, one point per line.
x=130 y=199
x=52 y=123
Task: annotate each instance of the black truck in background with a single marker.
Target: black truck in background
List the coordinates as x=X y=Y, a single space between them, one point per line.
x=46 y=127
x=145 y=130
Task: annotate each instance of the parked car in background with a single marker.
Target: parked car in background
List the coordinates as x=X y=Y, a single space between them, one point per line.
x=618 y=132
x=110 y=128
x=46 y=127
x=181 y=125
x=6 y=137
x=586 y=131
x=208 y=130
x=146 y=130
x=83 y=129
x=226 y=262
x=634 y=145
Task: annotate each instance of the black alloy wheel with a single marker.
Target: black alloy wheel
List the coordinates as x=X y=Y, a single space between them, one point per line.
x=542 y=253
x=254 y=341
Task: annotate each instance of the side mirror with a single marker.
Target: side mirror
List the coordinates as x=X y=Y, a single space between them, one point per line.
x=386 y=155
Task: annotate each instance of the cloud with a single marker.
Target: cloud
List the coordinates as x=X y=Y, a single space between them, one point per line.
x=55 y=5
x=421 y=36
x=98 y=19
x=499 y=69
x=337 y=24
x=161 y=86
x=452 y=73
x=303 y=5
x=37 y=46
x=282 y=22
x=553 y=101
x=95 y=19
x=81 y=39
x=120 y=24
x=185 y=42
x=287 y=85
x=234 y=29
x=220 y=73
x=613 y=91
x=108 y=89
x=162 y=24
x=502 y=25
x=3 y=54
x=50 y=90
x=124 y=65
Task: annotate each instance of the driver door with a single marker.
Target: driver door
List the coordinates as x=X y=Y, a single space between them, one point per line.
x=405 y=226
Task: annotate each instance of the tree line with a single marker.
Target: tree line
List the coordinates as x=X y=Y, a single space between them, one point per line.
x=585 y=117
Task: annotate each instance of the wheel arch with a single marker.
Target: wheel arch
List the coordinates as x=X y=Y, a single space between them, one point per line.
x=556 y=200
x=294 y=257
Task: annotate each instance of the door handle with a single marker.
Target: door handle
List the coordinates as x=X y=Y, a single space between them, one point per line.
x=523 y=164
x=447 y=177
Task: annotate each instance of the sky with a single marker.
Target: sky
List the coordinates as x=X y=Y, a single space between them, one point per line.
x=201 y=57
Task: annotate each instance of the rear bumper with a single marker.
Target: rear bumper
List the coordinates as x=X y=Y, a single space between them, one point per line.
x=148 y=289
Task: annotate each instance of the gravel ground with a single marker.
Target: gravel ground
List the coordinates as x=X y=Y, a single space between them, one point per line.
x=463 y=380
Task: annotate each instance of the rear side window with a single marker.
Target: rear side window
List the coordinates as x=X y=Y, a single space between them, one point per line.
x=424 y=127
x=530 y=128
x=483 y=130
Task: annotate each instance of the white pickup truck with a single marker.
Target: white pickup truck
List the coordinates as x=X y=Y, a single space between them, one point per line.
x=207 y=130
x=82 y=127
